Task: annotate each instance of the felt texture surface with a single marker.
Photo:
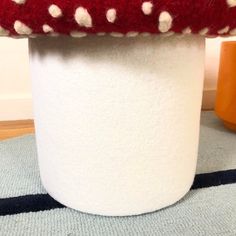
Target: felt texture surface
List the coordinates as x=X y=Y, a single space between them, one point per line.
x=217 y=152
x=206 y=211
x=135 y=125
x=205 y=17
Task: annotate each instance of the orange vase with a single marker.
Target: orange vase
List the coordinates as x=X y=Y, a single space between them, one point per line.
x=225 y=106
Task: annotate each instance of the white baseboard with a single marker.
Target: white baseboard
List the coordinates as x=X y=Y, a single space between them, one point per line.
x=208 y=101
x=16 y=107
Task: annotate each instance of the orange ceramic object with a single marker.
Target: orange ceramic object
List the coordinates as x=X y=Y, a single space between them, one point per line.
x=226 y=92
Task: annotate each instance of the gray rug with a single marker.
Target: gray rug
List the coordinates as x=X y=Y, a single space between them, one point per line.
x=208 y=209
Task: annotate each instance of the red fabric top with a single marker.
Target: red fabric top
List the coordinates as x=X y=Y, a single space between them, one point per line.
x=118 y=17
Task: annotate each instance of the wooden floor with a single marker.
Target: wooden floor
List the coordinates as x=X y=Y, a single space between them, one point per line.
x=10 y=129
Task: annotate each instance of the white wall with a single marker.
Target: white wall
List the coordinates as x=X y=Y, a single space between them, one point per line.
x=15 y=87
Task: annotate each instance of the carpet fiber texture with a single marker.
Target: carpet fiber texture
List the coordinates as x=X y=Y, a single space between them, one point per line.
x=208 y=209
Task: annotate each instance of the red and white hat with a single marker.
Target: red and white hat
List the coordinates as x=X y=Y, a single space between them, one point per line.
x=77 y=18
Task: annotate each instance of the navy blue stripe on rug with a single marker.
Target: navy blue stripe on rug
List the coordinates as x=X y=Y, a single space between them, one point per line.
x=27 y=203
x=214 y=179
x=41 y=202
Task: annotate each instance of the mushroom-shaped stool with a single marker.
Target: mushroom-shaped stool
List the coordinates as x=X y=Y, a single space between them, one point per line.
x=117 y=112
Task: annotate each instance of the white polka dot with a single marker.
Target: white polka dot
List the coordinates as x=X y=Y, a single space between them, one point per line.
x=33 y=36
x=187 y=30
x=224 y=30
x=165 y=22
x=167 y=34
x=101 y=33
x=54 y=34
x=117 y=34
x=55 y=11
x=47 y=28
x=19 y=1
x=132 y=34
x=204 y=31
x=78 y=34
x=111 y=15
x=21 y=28
x=83 y=18
x=231 y=3
x=232 y=32
x=3 y=32
x=147 y=8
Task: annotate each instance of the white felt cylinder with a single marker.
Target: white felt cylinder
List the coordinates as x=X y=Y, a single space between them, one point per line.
x=117 y=120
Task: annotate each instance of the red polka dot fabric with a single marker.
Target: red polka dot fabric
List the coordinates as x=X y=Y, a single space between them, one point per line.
x=77 y=18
